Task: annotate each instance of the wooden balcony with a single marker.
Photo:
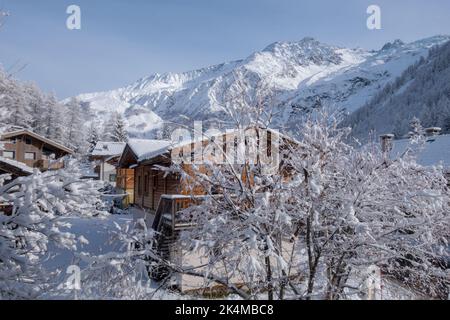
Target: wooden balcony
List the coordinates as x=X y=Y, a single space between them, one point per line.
x=45 y=165
x=6 y=209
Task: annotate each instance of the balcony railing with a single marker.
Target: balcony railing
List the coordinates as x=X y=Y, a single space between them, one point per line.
x=49 y=164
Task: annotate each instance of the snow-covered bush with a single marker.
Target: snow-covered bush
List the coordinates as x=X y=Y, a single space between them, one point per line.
x=357 y=208
x=123 y=272
x=40 y=201
x=331 y=212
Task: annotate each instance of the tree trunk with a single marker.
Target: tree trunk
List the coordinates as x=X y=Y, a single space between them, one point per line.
x=269 y=279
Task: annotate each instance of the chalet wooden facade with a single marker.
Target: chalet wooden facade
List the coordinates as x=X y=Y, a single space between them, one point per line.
x=150 y=183
x=105 y=157
x=33 y=150
x=163 y=195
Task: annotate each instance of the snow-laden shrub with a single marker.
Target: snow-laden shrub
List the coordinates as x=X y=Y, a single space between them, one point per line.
x=40 y=202
x=331 y=212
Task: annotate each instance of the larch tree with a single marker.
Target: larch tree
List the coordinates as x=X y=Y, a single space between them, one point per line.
x=74 y=132
x=119 y=133
x=93 y=137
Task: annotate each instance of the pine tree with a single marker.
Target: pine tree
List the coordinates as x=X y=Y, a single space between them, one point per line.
x=93 y=137
x=16 y=102
x=114 y=129
x=54 y=119
x=74 y=125
x=119 y=133
x=36 y=106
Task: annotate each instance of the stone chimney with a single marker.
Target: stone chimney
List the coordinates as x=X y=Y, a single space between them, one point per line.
x=433 y=131
x=387 y=142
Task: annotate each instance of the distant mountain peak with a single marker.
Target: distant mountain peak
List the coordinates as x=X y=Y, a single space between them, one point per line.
x=303 y=75
x=395 y=44
x=304 y=52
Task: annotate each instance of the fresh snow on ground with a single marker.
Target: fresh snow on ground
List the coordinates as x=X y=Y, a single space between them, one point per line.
x=97 y=233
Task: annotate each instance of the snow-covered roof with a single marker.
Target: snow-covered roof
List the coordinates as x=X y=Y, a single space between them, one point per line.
x=16 y=164
x=16 y=133
x=140 y=147
x=156 y=152
x=88 y=171
x=435 y=152
x=167 y=146
x=108 y=149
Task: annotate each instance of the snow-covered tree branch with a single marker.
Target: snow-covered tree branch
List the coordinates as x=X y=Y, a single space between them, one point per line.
x=315 y=226
x=40 y=202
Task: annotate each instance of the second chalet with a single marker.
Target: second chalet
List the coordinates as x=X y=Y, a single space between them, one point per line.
x=23 y=151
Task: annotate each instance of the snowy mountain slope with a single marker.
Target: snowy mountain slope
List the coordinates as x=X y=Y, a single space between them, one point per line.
x=422 y=91
x=301 y=74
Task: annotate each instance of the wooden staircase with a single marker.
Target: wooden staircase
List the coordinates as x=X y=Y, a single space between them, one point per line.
x=169 y=225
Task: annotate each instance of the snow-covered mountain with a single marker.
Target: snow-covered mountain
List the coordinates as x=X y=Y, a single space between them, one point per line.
x=422 y=92
x=302 y=75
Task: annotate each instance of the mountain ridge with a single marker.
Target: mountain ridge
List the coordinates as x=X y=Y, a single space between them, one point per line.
x=302 y=75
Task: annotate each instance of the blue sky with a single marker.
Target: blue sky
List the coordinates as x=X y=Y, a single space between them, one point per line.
x=124 y=40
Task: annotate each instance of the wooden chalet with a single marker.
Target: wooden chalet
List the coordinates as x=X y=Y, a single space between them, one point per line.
x=163 y=195
x=131 y=175
x=33 y=150
x=150 y=183
x=105 y=157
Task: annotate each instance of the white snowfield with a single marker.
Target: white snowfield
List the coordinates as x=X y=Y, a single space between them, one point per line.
x=300 y=73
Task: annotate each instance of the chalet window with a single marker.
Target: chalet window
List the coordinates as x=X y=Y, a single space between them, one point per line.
x=139 y=186
x=112 y=178
x=48 y=154
x=9 y=154
x=28 y=141
x=155 y=179
x=213 y=141
x=224 y=146
x=30 y=156
x=146 y=183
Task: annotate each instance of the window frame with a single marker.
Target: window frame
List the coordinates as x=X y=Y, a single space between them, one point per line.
x=12 y=152
x=139 y=187
x=155 y=179
x=28 y=153
x=146 y=183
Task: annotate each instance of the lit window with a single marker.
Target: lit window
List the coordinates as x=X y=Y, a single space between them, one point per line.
x=9 y=154
x=30 y=156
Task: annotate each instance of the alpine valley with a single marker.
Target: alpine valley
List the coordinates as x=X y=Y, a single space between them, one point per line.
x=301 y=76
